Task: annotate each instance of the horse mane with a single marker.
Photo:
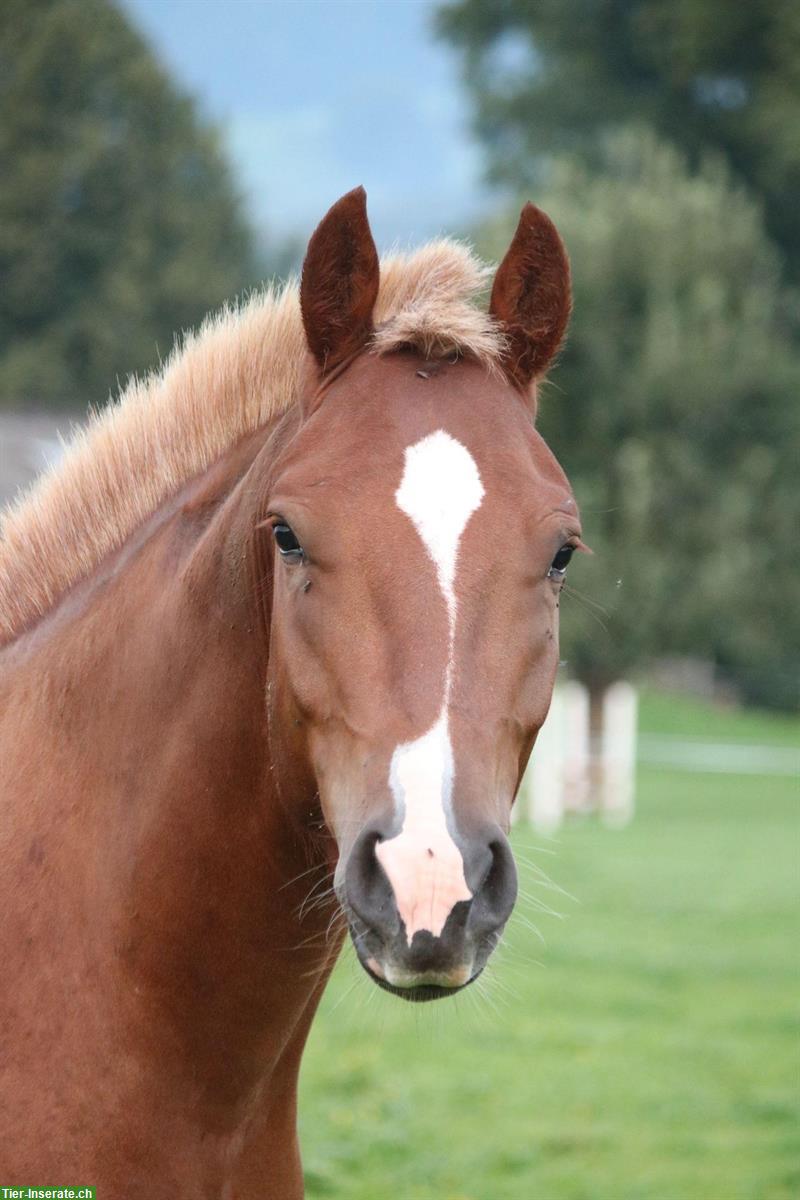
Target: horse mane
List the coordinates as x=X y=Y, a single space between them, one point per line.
x=240 y=370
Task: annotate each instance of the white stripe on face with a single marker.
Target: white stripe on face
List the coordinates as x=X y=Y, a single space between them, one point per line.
x=440 y=490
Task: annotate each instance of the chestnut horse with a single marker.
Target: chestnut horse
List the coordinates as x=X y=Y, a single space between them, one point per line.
x=287 y=616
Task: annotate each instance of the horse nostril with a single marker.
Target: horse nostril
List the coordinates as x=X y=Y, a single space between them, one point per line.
x=501 y=873
x=368 y=890
x=496 y=893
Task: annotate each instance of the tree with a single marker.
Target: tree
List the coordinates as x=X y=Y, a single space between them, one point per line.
x=119 y=223
x=674 y=411
x=550 y=75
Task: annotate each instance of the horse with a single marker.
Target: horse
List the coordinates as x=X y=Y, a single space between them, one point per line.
x=278 y=633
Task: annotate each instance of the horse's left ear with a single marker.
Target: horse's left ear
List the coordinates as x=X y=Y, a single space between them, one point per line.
x=339 y=284
x=532 y=297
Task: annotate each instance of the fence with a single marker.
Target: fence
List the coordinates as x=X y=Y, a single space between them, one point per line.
x=576 y=770
x=572 y=771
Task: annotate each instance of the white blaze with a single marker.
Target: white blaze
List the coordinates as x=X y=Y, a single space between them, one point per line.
x=440 y=490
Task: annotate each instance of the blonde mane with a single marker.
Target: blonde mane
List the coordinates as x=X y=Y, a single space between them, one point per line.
x=241 y=369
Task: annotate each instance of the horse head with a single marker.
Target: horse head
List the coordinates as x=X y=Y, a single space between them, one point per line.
x=422 y=529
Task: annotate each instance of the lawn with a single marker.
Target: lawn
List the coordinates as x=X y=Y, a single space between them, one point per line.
x=644 y=1048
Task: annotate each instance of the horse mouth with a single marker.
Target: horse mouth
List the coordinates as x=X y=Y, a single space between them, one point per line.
x=419 y=993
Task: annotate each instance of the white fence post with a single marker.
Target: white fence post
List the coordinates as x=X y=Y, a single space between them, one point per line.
x=545 y=782
x=618 y=753
x=567 y=773
x=576 y=748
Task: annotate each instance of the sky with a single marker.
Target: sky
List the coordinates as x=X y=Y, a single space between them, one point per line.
x=317 y=96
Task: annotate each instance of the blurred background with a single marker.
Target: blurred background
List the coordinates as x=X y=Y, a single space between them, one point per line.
x=638 y=1036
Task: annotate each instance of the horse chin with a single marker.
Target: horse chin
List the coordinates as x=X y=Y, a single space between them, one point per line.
x=419 y=993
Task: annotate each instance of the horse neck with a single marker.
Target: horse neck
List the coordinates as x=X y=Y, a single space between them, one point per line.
x=194 y=863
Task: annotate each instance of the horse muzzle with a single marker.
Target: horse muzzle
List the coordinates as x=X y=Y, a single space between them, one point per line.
x=423 y=926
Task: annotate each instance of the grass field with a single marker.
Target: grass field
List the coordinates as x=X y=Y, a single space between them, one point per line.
x=647 y=1049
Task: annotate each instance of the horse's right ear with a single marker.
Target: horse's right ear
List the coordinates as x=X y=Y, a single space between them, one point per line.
x=339 y=284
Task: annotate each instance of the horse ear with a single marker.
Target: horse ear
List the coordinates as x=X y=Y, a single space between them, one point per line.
x=531 y=296
x=339 y=284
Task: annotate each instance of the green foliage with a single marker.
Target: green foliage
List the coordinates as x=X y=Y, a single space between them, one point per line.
x=549 y=75
x=119 y=223
x=674 y=412
x=679 y=419
x=646 y=1051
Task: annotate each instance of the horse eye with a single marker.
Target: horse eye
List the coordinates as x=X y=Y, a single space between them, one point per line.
x=561 y=561
x=286 y=541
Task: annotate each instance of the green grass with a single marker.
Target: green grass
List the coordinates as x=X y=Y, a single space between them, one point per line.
x=647 y=1051
x=661 y=712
